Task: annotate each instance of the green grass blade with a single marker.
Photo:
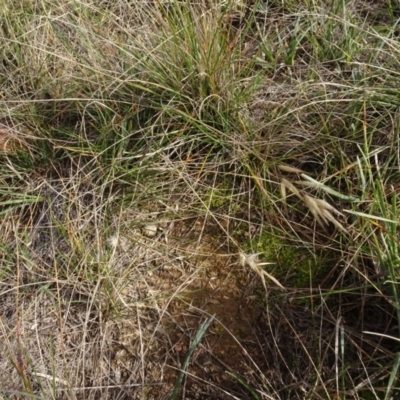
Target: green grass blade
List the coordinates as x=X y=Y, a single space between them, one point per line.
x=393 y=376
x=245 y=385
x=200 y=333
x=329 y=190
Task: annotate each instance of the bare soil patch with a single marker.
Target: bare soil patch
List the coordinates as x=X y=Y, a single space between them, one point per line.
x=122 y=328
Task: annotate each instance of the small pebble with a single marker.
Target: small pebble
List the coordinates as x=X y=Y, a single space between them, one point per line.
x=150 y=230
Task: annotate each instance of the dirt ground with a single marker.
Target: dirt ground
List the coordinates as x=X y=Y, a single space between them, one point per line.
x=211 y=282
x=123 y=328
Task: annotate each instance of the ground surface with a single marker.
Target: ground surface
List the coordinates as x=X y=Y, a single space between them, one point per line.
x=199 y=199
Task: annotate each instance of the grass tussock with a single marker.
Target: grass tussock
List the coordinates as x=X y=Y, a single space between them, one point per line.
x=157 y=161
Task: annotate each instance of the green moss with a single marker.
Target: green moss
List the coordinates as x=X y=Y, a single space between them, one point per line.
x=221 y=195
x=219 y=330
x=218 y=197
x=295 y=265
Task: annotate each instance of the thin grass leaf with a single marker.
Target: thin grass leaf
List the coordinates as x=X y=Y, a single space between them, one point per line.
x=245 y=385
x=200 y=333
x=382 y=335
x=16 y=203
x=21 y=202
x=287 y=168
x=368 y=216
x=322 y=204
x=328 y=190
x=283 y=192
x=291 y=187
x=328 y=216
x=394 y=377
x=362 y=175
x=315 y=211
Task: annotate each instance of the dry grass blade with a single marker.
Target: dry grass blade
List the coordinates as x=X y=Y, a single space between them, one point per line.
x=288 y=168
x=252 y=261
x=291 y=187
x=321 y=210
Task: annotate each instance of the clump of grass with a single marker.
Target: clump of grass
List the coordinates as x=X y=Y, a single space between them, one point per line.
x=212 y=120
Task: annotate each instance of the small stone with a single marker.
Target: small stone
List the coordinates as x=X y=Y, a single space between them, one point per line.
x=163 y=225
x=150 y=230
